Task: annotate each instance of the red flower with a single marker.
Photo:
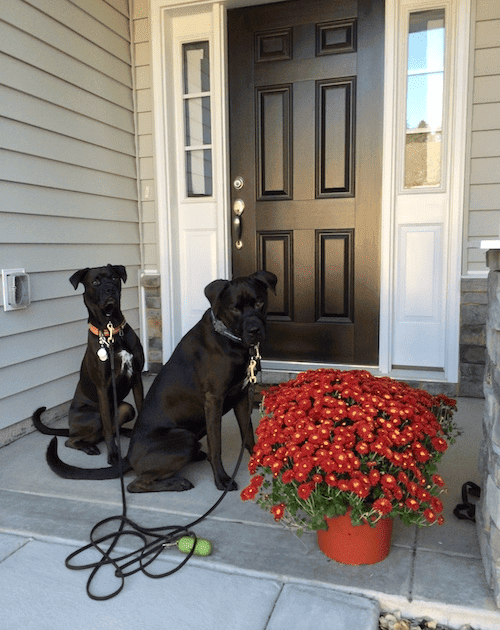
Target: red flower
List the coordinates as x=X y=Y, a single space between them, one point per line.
x=439 y=444
x=438 y=480
x=384 y=506
x=248 y=493
x=437 y=505
x=305 y=489
x=388 y=481
x=331 y=480
x=278 y=511
x=430 y=515
x=257 y=481
x=413 y=504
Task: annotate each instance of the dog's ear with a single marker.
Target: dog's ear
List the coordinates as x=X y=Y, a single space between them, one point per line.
x=213 y=290
x=120 y=271
x=78 y=277
x=266 y=277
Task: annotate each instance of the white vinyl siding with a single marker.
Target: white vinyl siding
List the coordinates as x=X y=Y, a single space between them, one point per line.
x=484 y=174
x=68 y=184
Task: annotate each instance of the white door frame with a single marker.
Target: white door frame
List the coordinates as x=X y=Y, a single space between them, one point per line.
x=162 y=14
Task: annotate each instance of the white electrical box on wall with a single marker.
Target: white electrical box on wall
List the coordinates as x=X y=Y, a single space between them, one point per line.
x=16 y=289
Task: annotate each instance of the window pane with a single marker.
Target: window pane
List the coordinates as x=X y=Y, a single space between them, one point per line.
x=196 y=68
x=424 y=100
x=197 y=121
x=199 y=173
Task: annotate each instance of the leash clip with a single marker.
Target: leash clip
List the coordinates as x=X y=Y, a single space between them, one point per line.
x=254 y=365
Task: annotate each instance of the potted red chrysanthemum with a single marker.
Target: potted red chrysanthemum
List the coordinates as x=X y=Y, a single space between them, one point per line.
x=347 y=444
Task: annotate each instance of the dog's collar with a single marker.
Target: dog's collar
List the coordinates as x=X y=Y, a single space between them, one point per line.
x=109 y=330
x=222 y=329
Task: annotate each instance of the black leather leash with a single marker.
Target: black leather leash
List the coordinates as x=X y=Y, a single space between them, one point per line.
x=152 y=540
x=466 y=511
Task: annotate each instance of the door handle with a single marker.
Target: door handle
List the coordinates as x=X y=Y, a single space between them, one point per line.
x=238 y=207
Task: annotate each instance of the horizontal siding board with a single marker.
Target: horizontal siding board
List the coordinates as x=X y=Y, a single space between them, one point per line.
x=26 y=169
x=486 y=116
x=485 y=171
x=487 y=61
x=22 y=405
x=22 y=138
x=35 y=371
x=26 y=18
x=120 y=5
x=487 y=34
x=487 y=89
x=39 y=258
x=114 y=20
x=81 y=22
x=486 y=144
x=30 y=110
x=39 y=55
x=25 y=229
x=30 y=199
x=487 y=10
x=485 y=197
x=42 y=342
x=30 y=80
x=484 y=224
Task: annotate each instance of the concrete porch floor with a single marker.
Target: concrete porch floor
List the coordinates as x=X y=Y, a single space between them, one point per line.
x=259 y=576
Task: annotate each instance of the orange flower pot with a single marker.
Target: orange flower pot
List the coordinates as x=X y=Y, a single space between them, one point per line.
x=355 y=544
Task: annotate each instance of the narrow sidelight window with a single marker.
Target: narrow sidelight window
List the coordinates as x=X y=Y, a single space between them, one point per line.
x=197 y=119
x=424 y=100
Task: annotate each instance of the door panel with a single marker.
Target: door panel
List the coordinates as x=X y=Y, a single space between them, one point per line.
x=306 y=80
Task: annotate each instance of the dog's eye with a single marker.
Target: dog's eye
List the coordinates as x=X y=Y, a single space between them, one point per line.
x=259 y=305
x=235 y=310
x=96 y=282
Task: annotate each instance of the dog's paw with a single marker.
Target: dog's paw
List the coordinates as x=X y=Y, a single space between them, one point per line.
x=172 y=484
x=90 y=449
x=113 y=458
x=222 y=484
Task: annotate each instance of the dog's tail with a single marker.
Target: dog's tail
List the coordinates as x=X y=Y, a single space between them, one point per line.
x=73 y=472
x=36 y=417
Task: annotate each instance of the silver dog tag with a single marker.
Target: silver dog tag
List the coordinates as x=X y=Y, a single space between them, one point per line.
x=102 y=354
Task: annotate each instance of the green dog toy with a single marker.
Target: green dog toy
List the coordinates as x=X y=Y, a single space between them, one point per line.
x=203 y=546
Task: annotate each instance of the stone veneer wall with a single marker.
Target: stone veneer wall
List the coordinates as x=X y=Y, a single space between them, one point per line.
x=473 y=311
x=152 y=285
x=488 y=510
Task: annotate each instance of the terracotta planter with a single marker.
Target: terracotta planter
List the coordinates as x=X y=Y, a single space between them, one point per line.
x=355 y=544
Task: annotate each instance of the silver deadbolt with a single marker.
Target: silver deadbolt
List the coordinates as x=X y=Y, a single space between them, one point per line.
x=238 y=183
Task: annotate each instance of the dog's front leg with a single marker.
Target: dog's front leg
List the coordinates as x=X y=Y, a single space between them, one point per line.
x=243 y=411
x=138 y=391
x=213 y=416
x=107 y=426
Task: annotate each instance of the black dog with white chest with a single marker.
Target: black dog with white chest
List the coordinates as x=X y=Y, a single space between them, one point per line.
x=92 y=411
x=206 y=376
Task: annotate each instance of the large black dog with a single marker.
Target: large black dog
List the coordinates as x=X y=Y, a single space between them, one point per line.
x=205 y=377
x=92 y=411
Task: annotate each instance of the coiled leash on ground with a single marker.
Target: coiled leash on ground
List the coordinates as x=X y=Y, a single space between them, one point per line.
x=152 y=540
x=466 y=511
